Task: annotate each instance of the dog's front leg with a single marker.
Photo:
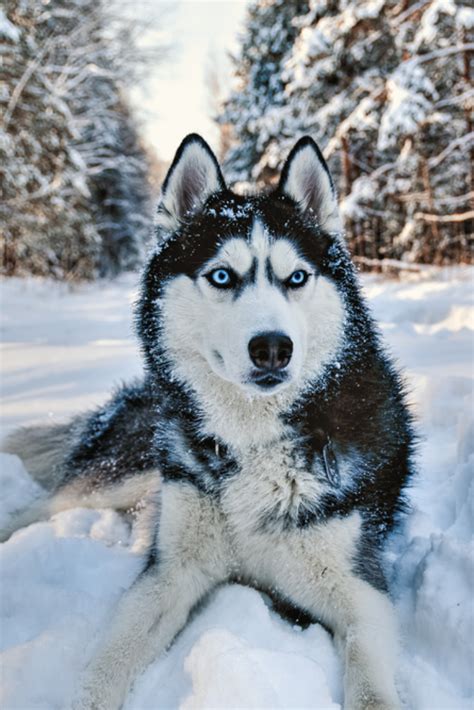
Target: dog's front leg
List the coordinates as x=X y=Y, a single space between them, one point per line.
x=146 y=620
x=367 y=642
x=363 y=622
x=315 y=569
x=191 y=561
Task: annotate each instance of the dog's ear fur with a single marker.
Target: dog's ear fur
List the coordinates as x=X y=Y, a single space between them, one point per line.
x=193 y=176
x=306 y=179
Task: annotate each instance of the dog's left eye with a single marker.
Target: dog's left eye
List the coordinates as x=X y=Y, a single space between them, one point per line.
x=221 y=278
x=297 y=279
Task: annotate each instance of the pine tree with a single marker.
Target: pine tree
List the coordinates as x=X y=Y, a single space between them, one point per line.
x=412 y=200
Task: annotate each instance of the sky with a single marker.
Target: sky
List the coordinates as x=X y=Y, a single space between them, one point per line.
x=175 y=100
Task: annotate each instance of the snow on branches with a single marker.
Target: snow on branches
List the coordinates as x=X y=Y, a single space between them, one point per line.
x=74 y=173
x=386 y=88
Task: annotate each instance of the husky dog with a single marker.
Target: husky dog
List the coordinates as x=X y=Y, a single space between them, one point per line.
x=270 y=416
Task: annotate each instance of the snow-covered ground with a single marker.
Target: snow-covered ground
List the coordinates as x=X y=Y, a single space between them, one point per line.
x=62 y=350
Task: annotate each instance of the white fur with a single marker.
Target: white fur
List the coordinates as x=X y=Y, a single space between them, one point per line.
x=194 y=558
x=260 y=241
x=234 y=253
x=308 y=184
x=271 y=485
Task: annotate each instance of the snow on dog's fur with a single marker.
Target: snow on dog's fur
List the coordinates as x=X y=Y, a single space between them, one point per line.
x=275 y=418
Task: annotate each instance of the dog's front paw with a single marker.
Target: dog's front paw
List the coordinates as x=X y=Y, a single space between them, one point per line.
x=98 y=691
x=86 y=700
x=363 y=696
x=85 y=703
x=370 y=701
x=373 y=704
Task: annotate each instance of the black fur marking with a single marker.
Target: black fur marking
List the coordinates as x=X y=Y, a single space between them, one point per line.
x=116 y=439
x=269 y=273
x=289 y=612
x=186 y=455
x=273 y=279
x=248 y=279
x=368 y=563
x=152 y=558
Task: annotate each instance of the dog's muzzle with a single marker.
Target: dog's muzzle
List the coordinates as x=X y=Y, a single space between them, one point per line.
x=271 y=354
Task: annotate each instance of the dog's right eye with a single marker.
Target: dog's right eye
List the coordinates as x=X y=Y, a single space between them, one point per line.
x=221 y=278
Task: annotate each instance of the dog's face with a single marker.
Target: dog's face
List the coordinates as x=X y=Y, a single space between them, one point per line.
x=244 y=295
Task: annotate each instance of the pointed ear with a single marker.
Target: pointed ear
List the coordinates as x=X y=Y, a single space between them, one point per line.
x=193 y=176
x=307 y=180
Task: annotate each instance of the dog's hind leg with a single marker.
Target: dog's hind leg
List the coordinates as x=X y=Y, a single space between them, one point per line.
x=192 y=560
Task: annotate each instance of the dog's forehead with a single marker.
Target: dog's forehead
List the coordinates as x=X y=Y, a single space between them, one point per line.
x=259 y=245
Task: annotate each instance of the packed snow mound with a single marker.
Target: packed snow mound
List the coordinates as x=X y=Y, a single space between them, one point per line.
x=62 y=578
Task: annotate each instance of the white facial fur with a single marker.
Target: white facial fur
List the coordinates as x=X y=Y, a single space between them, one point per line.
x=207 y=330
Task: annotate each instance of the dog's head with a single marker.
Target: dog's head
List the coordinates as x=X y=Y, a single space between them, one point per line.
x=243 y=288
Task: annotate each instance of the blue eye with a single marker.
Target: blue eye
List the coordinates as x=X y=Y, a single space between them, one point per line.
x=297 y=279
x=221 y=278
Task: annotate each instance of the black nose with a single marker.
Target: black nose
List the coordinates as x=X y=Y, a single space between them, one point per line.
x=270 y=351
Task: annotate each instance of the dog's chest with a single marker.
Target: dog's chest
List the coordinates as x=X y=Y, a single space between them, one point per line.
x=275 y=488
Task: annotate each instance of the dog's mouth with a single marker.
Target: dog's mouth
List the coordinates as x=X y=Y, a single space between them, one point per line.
x=268 y=380
x=264 y=381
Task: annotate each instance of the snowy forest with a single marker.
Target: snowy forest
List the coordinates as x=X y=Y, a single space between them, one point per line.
x=385 y=87
x=75 y=175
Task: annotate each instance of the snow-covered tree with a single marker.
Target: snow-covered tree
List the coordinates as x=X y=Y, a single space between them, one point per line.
x=386 y=88
x=120 y=189
x=73 y=170
x=415 y=200
x=258 y=96
x=46 y=220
